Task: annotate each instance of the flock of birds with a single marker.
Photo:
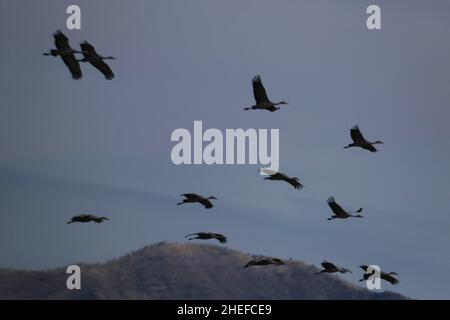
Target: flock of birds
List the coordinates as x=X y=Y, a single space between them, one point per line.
x=67 y=54
x=262 y=102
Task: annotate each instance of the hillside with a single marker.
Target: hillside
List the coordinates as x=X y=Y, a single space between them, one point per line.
x=184 y=271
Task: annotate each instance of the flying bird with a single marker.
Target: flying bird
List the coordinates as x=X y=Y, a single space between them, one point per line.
x=278 y=176
x=87 y=218
x=360 y=141
x=329 y=267
x=67 y=54
x=207 y=236
x=385 y=276
x=339 y=212
x=90 y=55
x=193 y=197
x=264 y=262
x=261 y=98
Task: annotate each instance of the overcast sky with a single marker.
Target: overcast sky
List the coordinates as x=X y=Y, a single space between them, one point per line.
x=180 y=61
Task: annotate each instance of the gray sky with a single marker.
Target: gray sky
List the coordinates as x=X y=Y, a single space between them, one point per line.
x=104 y=146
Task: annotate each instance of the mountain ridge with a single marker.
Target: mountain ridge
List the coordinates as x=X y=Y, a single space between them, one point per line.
x=171 y=270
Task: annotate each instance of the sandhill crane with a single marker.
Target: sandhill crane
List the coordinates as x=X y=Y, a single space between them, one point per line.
x=87 y=218
x=329 y=267
x=90 y=55
x=264 y=262
x=262 y=100
x=339 y=212
x=67 y=54
x=383 y=275
x=360 y=141
x=206 y=236
x=278 y=176
x=193 y=197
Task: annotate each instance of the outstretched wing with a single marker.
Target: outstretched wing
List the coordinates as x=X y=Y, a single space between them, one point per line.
x=220 y=237
x=190 y=195
x=356 y=134
x=192 y=234
x=61 y=41
x=371 y=148
x=269 y=171
x=389 y=278
x=328 y=265
x=62 y=44
x=250 y=263
x=91 y=55
x=259 y=92
x=277 y=260
x=206 y=203
x=337 y=209
x=294 y=182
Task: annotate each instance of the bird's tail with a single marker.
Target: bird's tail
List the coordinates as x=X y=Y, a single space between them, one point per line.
x=69 y=222
x=322 y=271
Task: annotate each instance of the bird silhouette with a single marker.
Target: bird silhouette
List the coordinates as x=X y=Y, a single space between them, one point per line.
x=383 y=275
x=360 y=141
x=66 y=53
x=90 y=55
x=207 y=236
x=194 y=197
x=262 y=100
x=278 y=176
x=339 y=212
x=87 y=218
x=264 y=262
x=330 y=267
